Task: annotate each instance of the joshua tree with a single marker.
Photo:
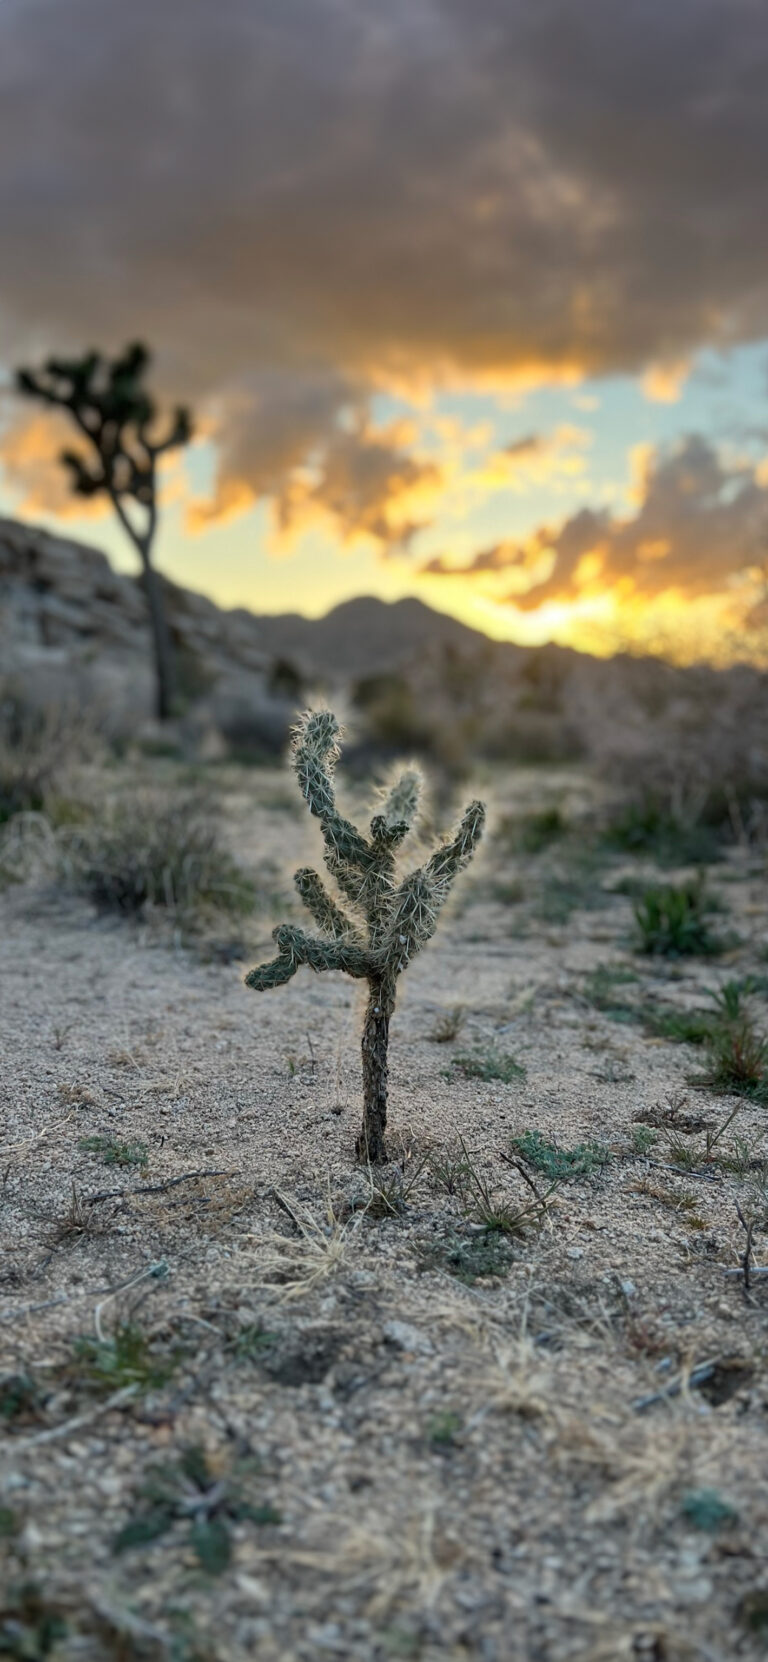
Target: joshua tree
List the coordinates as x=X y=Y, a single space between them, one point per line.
x=390 y=921
x=109 y=404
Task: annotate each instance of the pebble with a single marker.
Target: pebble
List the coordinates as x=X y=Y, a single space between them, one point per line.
x=407 y=1337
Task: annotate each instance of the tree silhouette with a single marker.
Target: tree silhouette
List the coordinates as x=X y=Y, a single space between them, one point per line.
x=109 y=404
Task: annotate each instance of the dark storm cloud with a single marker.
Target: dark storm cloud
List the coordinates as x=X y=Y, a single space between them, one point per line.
x=362 y=192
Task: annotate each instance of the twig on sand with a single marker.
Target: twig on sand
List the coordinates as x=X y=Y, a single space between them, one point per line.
x=160 y=1270
x=155 y=1188
x=48 y=1436
x=697 y=1376
x=749 y=1230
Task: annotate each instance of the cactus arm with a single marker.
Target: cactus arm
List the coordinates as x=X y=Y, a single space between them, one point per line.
x=402 y=802
x=350 y=880
x=315 y=751
x=327 y=915
x=274 y=974
x=297 y=947
x=450 y=858
x=385 y=836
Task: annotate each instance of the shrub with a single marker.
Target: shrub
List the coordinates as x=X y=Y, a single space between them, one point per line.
x=649 y=827
x=37 y=746
x=672 y=921
x=156 y=851
x=533 y=833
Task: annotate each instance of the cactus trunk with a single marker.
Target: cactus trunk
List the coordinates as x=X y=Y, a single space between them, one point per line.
x=381 y=1002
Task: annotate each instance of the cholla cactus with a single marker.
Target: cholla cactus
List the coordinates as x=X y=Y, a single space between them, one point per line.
x=388 y=922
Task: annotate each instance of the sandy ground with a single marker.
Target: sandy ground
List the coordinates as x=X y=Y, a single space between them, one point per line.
x=400 y=1463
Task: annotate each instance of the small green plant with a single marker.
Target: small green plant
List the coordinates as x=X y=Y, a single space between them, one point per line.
x=38 y=744
x=672 y=921
x=388 y=1194
x=20 y=1398
x=706 y=1509
x=533 y=833
x=191 y=1494
x=643 y=1139
x=115 y=1153
x=600 y=991
x=125 y=1358
x=689 y=1027
x=486 y=1062
x=649 y=828
x=470 y=1258
x=252 y=1342
x=389 y=921
x=738 y=1060
x=692 y=1156
x=559 y=1164
x=443 y=1429
x=501 y=1216
x=30 y=1624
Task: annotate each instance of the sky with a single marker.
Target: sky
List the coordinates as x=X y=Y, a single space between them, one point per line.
x=469 y=298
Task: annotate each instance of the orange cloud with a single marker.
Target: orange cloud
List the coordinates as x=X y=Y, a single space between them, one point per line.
x=30 y=452
x=698 y=529
x=663 y=383
x=306 y=446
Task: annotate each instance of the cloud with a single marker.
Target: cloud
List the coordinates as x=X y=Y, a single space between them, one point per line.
x=698 y=526
x=30 y=446
x=374 y=196
x=305 y=442
x=663 y=383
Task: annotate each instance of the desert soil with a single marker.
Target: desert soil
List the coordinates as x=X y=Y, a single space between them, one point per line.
x=397 y=1462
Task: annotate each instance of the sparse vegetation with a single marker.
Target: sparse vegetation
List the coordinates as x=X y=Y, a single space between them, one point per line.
x=559 y=1164
x=672 y=921
x=114 y=1152
x=489 y=1063
x=389 y=922
x=159 y=851
x=126 y=1357
x=448 y=1026
x=39 y=746
x=707 y=1510
x=534 y=833
x=649 y=827
x=189 y=1493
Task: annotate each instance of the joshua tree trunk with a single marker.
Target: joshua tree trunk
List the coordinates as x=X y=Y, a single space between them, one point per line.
x=381 y=1003
x=162 y=645
x=165 y=677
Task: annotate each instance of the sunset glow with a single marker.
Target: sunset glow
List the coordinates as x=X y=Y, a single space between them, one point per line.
x=437 y=343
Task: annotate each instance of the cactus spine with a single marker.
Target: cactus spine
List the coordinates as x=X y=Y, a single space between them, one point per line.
x=388 y=921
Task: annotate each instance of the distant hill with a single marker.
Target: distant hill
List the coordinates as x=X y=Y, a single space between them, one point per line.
x=364 y=636
x=61 y=600
x=72 y=627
